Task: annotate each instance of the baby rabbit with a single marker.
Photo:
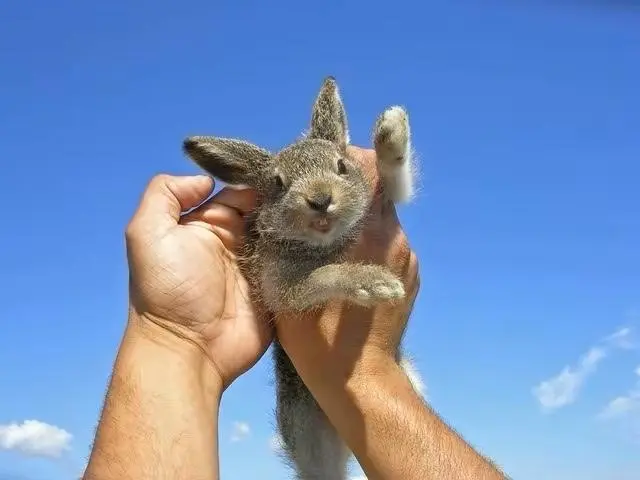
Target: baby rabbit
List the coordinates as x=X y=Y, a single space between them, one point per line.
x=312 y=202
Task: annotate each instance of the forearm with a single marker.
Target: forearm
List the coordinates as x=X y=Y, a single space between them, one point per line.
x=160 y=414
x=390 y=430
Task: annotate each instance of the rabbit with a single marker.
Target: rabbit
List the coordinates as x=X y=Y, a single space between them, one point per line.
x=312 y=203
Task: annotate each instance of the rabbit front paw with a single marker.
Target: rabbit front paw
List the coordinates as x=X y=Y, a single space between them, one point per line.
x=378 y=290
x=364 y=285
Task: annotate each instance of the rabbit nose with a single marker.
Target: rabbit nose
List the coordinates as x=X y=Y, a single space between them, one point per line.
x=320 y=202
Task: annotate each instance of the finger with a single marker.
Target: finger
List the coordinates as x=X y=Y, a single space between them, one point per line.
x=223 y=221
x=242 y=200
x=381 y=222
x=388 y=213
x=365 y=158
x=213 y=213
x=166 y=197
x=229 y=239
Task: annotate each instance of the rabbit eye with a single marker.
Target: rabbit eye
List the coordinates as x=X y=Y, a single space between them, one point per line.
x=342 y=168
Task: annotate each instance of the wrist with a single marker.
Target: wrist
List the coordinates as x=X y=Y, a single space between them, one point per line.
x=150 y=341
x=161 y=409
x=333 y=374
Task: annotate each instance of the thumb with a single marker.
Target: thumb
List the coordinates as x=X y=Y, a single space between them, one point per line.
x=166 y=197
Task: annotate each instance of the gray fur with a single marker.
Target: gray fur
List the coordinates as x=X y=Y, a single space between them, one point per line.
x=312 y=202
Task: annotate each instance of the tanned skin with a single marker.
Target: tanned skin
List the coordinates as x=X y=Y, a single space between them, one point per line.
x=182 y=345
x=191 y=332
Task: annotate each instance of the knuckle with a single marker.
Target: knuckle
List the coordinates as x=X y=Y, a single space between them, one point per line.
x=134 y=229
x=403 y=240
x=401 y=246
x=131 y=230
x=414 y=263
x=413 y=271
x=159 y=178
x=159 y=182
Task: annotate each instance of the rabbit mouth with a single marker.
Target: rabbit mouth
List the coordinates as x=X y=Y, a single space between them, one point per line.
x=321 y=225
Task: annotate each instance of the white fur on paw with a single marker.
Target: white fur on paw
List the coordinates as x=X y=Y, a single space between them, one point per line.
x=363 y=296
x=393 y=133
x=393 y=147
x=394 y=117
x=380 y=290
x=387 y=290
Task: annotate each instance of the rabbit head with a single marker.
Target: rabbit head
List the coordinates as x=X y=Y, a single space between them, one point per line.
x=310 y=191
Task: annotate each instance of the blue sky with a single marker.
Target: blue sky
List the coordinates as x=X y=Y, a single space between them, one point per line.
x=527 y=223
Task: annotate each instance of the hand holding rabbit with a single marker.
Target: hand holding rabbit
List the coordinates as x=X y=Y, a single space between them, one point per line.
x=177 y=261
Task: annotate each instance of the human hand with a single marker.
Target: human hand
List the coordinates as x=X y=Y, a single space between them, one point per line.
x=183 y=272
x=343 y=337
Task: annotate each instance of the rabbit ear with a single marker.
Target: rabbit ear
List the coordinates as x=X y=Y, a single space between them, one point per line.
x=235 y=162
x=329 y=120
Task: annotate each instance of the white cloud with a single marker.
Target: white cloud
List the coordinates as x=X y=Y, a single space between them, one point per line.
x=624 y=404
x=241 y=430
x=622 y=338
x=35 y=438
x=564 y=388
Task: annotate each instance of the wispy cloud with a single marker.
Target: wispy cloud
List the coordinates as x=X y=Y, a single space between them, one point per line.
x=622 y=338
x=35 y=438
x=241 y=430
x=624 y=405
x=564 y=388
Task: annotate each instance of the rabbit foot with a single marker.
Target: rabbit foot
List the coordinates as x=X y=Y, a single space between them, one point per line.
x=392 y=137
x=379 y=290
x=392 y=141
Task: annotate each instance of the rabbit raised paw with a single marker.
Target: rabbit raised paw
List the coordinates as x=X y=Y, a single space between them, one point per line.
x=312 y=203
